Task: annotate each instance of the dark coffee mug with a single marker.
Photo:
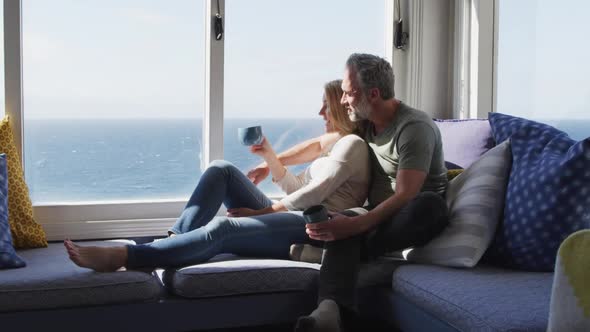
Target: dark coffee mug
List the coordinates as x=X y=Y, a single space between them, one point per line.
x=250 y=135
x=316 y=213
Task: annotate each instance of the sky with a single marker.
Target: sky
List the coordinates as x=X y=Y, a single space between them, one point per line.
x=145 y=58
x=543 y=53
x=107 y=58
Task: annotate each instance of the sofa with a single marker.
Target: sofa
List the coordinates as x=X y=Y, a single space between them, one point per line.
x=240 y=292
x=226 y=292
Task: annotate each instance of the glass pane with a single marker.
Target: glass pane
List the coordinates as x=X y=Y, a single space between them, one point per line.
x=279 y=55
x=113 y=97
x=543 y=65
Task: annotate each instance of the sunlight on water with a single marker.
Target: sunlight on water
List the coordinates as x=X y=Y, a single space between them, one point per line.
x=93 y=160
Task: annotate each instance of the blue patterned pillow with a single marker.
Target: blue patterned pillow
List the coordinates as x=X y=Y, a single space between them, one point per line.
x=548 y=195
x=8 y=257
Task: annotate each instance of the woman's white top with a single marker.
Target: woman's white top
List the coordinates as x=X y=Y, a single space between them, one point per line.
x=339 y=180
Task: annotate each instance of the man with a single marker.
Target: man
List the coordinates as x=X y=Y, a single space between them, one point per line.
x=406 y=207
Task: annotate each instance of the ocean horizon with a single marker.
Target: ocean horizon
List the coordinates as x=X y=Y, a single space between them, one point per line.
x=131 y=159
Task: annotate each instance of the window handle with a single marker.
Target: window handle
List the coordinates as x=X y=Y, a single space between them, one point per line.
x=218 y=27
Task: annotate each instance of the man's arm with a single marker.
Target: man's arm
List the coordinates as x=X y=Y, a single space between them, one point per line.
x=409 y=182
x=416 y=145
x=408 y=185
x=299 y=154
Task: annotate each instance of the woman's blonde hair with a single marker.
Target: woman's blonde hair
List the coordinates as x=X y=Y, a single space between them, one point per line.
x=339 y=115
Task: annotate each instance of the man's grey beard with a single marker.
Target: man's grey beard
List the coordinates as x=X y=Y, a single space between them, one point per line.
x=361 y=111
x=353 y=116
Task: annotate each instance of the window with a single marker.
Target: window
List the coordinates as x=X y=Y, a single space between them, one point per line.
x=543 y=66
x=474 y=58
x=123 y=102
x=2 y=102
x=114 y=99
x=279 y=55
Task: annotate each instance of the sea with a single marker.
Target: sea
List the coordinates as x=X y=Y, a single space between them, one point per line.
x=128 y=160
x=131 y=159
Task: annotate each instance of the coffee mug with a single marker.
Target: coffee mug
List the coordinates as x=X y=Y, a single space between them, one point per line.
x=250 y=135
x=316 y=213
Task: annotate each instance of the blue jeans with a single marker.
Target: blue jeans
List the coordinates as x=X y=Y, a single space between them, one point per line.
x=201 y=235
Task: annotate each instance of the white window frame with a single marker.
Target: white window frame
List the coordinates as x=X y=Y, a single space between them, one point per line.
x=475 y=58
x=94 y=220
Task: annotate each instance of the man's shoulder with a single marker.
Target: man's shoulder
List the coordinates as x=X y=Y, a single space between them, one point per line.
x=409 y=114
x=418 y=122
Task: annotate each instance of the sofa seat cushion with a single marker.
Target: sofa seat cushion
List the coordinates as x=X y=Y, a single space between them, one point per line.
x=480 y=299
x=51 y=280
x=227 y=275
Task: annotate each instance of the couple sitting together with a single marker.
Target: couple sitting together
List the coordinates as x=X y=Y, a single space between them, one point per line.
x=375 y=147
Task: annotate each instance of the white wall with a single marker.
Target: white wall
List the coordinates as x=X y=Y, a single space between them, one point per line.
x=424 y=71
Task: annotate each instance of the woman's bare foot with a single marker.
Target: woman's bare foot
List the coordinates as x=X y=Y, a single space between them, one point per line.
x=101 y=259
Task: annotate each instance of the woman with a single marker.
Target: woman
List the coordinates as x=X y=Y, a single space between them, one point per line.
x=255 y=225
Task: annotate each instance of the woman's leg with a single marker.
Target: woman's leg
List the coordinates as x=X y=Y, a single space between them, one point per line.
x=267 y=235
x=101 y=259
x=221 y=182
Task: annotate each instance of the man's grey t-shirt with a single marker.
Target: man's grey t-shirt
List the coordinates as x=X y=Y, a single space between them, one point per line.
x=411 y=141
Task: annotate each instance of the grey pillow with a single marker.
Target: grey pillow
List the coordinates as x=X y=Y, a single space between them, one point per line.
x=476 y=201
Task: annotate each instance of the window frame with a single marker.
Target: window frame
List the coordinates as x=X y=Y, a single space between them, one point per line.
x=95 y=220
x=476 y=40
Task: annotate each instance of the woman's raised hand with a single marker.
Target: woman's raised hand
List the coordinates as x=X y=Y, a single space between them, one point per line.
x=263 y=149
x=274 y=164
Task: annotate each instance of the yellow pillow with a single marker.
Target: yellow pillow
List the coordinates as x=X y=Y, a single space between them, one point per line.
x=26 y=233
x=453 y=173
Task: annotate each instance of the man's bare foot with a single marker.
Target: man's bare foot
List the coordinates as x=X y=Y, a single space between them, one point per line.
x=101 y=259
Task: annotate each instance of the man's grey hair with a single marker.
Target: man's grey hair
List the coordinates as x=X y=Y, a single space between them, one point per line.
x=373 y=72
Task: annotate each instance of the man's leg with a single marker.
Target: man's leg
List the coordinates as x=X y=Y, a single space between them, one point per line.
x=415 y=224
x=336 y=278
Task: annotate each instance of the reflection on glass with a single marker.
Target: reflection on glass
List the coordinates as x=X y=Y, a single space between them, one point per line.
x=279 y=55
x=543 y=65
x=2 y=103
x=113 y=96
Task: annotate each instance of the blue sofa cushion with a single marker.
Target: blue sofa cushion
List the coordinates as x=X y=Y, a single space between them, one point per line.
x=480 y=299
x=548 y=193
x=230 y=275
x=8 y=257
x=51 y=281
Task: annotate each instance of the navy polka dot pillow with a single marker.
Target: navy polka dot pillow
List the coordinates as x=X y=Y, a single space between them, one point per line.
x=548 y=194
x=8 y=257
